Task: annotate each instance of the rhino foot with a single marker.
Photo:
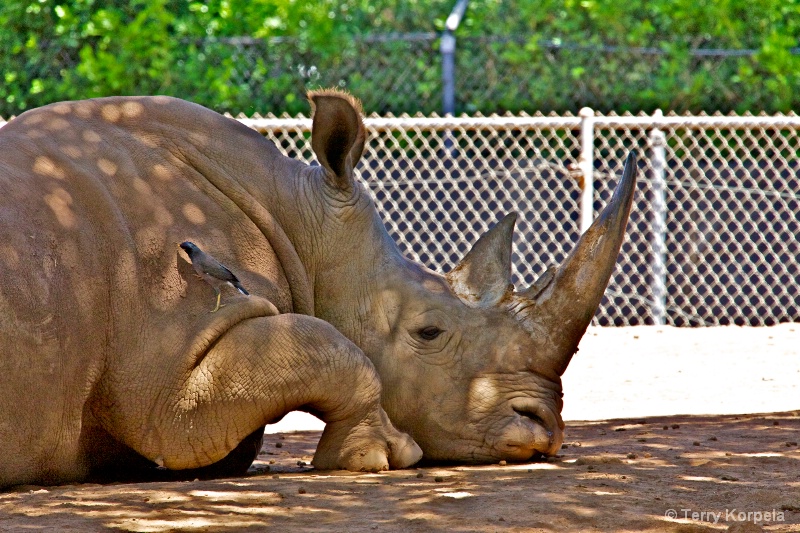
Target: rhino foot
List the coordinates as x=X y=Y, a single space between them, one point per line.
x=371 y=445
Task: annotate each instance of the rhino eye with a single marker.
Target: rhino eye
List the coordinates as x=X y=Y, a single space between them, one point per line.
x=429 y=333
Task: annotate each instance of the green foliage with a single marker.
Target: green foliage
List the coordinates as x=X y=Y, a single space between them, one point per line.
x=261 y=55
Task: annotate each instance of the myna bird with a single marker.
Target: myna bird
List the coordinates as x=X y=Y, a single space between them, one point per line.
x=212 y=271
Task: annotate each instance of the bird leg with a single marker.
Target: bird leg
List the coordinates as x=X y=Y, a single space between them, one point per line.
x=219 y=295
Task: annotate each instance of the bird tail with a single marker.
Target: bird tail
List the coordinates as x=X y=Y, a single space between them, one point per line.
x=240 y=288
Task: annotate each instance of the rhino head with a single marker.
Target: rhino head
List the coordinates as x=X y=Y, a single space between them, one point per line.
x=470 y=367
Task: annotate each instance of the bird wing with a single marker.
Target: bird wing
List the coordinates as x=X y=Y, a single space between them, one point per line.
x=212 y=267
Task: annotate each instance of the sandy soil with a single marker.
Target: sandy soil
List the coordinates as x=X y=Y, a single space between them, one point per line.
x=668 y=430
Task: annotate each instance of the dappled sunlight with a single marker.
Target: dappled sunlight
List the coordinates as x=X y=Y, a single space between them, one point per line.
x=60 y=202
x=110 y=112
x=611 y=481
x=109 y=168
x=193 y=213
x=91 y=136
x=72 y=151
x=187 y=524
x=45 y=166
x=230 y=496
x=161 y=172
x=456 y=495
x=118 y=198
x=56 y=124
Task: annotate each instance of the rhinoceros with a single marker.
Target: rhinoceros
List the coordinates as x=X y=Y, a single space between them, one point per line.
x=112 y=364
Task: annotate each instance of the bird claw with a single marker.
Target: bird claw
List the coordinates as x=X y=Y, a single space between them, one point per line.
x=217 y=308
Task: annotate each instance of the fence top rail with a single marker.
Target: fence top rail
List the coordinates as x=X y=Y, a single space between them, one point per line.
x=375 y=123
x=424 y=123
x=533 y=122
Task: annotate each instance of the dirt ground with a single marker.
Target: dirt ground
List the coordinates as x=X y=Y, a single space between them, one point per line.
x=667 y=430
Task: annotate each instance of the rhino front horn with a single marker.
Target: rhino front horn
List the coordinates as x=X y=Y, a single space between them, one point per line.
x=560 y=308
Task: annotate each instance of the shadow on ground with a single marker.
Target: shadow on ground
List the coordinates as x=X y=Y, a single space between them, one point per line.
x=677 y=473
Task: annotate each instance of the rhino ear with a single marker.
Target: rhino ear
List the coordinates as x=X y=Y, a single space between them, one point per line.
x=337 y=135
x=483 y=276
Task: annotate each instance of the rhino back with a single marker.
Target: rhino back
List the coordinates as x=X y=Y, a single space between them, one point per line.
x=95 y=300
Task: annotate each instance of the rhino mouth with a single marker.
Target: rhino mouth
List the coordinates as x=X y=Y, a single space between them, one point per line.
x=530 y=432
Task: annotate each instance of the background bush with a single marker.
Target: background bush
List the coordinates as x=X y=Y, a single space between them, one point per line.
x=261 y=55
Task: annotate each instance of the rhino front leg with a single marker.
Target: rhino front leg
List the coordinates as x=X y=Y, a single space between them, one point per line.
x=262 y=368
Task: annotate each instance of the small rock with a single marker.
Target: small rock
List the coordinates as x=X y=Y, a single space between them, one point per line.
x=729 y=478
x=728 y=454
x=648 y=455
x=632 y=456
x=666 y=427
x=791 y=443
x=279 y=445
x=501 y=519
x=675 y=426
x=624 y=477
x=275 y=476
x=502 y=463
x=790 y=507
x=301 y=490
x=419 y=474
x=564 y=446
x=530 y=470
x=696 y=443
x=642 y=440
x=776 y=423
x=301 y=463
x=272 y=462
x=620 y=429
x=438 y=479
x=712 y=438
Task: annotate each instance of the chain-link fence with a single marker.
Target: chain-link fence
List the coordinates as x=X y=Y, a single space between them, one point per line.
x=713 y=236
x=713 y=233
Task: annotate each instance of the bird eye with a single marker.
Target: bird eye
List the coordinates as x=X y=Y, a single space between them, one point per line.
x=429 y=333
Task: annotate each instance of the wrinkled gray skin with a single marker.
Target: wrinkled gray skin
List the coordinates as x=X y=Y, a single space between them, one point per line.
x=466 y=365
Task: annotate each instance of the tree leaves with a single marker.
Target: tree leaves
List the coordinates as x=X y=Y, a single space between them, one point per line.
x=555 y=54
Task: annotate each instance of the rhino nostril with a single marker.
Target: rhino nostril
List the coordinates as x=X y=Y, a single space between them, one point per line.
x=536 y=419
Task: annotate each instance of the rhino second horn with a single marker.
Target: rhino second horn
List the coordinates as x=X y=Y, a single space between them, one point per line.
x=483 y=277
x=540 y=284
x=560 y=309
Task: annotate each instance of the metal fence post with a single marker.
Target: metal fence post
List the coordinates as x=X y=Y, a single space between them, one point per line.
x=659 y=224
x=447 y=47
x=586 y=164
